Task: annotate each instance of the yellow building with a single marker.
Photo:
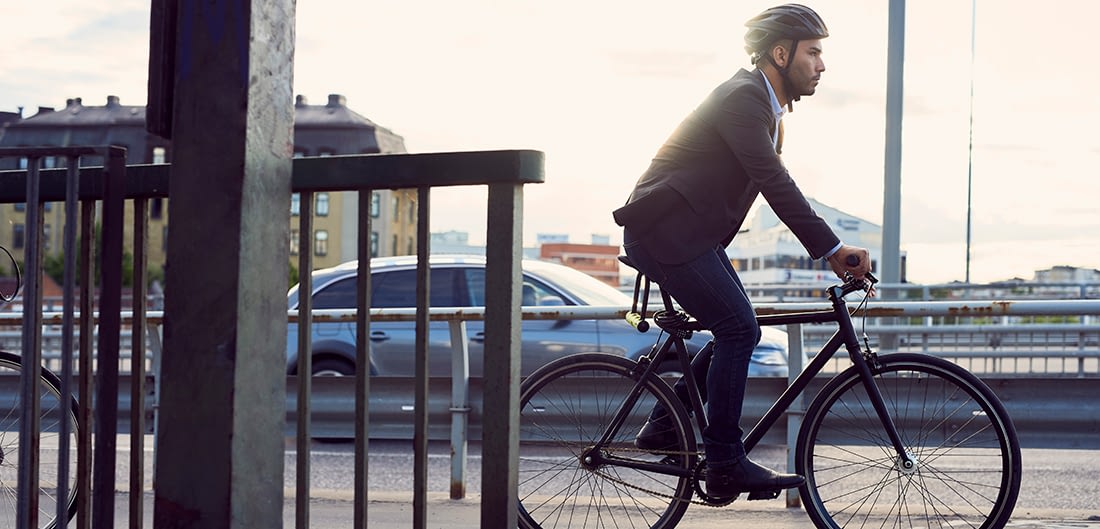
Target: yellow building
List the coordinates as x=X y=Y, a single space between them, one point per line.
x=320 y=130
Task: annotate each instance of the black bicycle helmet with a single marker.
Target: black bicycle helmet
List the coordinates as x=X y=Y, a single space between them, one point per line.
x=788 y=21
x=795 y=22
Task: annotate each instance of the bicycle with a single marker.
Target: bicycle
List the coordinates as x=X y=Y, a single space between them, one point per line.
x=895 y=440
x=54 y=410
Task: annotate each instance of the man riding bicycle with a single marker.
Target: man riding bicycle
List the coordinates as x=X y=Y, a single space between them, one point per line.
x=691 y=201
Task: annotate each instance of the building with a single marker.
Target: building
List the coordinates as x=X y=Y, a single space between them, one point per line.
x=597 y=260
x=766 y=252
x=1067 y=274
x=320 y=130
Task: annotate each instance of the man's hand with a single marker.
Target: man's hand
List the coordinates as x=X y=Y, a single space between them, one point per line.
x=839 y=262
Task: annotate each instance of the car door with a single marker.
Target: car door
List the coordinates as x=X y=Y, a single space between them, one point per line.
x=541 y=340
x=393 y=343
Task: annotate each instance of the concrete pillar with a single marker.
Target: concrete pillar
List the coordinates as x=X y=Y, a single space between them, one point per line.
x=220 y=437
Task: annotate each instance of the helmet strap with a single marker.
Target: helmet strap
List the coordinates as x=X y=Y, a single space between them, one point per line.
x=792 y=95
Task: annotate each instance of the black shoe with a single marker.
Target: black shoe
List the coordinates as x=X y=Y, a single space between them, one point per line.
x=747 y=476
x=657 y=435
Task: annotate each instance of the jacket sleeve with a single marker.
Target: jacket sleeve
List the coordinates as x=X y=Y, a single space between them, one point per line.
x=744 y=120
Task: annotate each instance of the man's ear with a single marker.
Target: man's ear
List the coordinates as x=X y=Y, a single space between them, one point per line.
x=779 y=56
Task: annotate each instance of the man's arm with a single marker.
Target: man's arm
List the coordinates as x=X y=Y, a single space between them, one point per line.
x=743 y=122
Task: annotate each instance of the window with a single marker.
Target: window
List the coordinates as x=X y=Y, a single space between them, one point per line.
x=393 y=246
x=338 y=295
x=46 y=237
x=160 y=155
x=534 y=292
x=396 y=212
x=156 y=208
x=410 y=248
x=398 y=289
x=320 y=243
x=375 y=204
x=395 y=289
x=321 y=205
x=374 y=244
x=21 y=207
x=412 y=212
x=18 y=235
x=295 y=204
x=294 y=242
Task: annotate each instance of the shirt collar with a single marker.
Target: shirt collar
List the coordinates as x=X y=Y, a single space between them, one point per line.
x=776 y=107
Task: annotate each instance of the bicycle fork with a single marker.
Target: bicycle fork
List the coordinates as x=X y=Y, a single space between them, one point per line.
x=866 y=363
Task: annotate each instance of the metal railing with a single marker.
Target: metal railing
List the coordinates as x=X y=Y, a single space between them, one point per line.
x=503 y=172
x=782 y=292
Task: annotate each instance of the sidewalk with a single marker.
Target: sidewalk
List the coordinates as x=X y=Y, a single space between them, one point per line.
x=393 y=510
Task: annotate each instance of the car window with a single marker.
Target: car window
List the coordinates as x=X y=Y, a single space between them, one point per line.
x=394 y=290
x=533 y=290
x=337 y=295
x=580 y=286
x=398 y=289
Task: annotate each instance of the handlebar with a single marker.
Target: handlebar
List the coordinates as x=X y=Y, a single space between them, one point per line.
x=852 y=284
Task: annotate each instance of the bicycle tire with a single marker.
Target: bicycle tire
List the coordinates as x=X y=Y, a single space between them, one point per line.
x=566 y=407
x=10 y=420
x=967 y=452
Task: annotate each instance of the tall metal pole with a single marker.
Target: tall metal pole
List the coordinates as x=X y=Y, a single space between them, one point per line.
x=891 y=216
x=970 y=146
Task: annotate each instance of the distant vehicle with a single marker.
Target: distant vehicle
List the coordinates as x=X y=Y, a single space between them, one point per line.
x=459 y=281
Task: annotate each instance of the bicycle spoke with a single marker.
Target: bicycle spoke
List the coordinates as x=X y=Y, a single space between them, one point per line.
x=964 y=455
x=567 y=479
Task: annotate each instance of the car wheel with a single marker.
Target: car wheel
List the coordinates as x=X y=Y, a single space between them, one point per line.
x=333 y=367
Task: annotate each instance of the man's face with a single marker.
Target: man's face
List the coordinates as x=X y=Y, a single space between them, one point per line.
x=806 y=67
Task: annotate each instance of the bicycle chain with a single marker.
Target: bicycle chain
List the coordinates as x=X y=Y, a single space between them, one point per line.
x=695 y=477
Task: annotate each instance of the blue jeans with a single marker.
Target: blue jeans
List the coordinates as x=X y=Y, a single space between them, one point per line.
x=708 y=289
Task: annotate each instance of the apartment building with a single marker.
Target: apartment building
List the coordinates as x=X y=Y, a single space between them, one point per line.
x=320 y=130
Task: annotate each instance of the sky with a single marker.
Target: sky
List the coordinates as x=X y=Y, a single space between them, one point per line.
x=598 y=85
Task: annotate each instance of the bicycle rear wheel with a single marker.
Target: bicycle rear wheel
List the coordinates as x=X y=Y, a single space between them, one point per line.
x=54 y=410
x=968 y=468
x=567 y=406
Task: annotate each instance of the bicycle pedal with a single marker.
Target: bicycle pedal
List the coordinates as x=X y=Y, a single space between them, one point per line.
x=764 y=494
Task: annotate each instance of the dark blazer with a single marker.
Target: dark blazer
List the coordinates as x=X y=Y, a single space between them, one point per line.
x=703 y=180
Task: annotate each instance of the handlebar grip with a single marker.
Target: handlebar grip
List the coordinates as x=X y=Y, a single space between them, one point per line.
x=637 y=321
x=853 y=260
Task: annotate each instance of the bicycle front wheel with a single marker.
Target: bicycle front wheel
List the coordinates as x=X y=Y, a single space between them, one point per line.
x=966 y=453
x=54 y=410
x=566 y=480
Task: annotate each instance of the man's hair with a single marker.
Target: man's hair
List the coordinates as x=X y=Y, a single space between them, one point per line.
x=767 y=49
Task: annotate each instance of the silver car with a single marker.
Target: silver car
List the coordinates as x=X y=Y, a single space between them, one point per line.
x=459 y=281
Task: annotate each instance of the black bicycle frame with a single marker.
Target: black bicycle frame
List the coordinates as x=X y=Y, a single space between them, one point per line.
x=845 y=335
